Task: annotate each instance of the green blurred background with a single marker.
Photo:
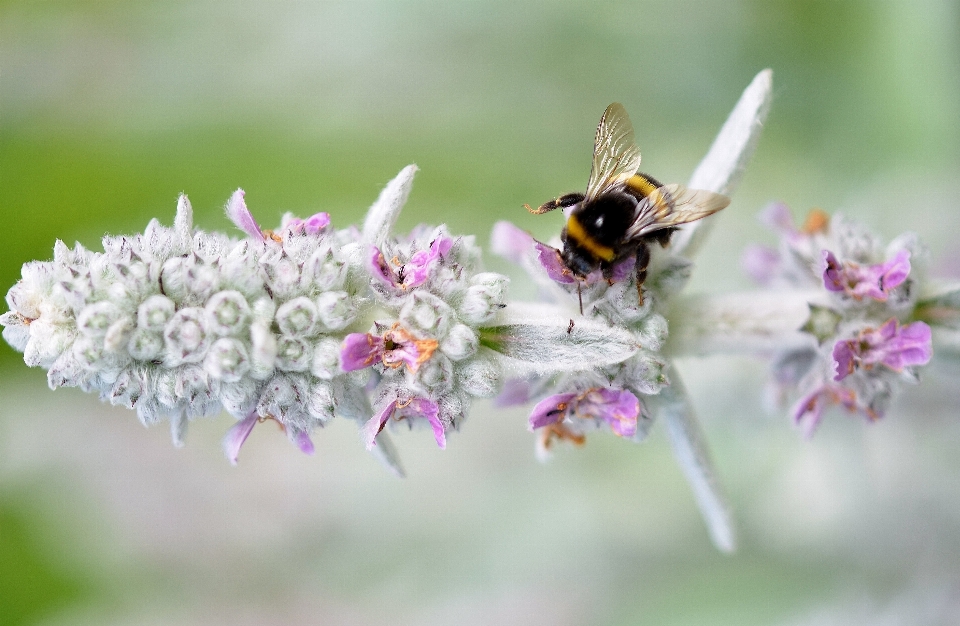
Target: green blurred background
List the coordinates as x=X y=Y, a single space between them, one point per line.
x=108 y=110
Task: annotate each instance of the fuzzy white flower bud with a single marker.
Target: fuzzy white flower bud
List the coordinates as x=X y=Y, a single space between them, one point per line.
x=293 y=355
x=227 y=360
x=325 y=270
x=118 y=334
x=16 y=330
x=175 y=277
x=281 y=398
x=336 y=310
x=145 y=345
x=481 y=377
x=228 y=312
x=66 y=371
x=437 y=373
x=283 y=274
x=460 y=343
x=154 y=313
x=326 y=359
x=95 y=319
x=297 y=318
x=484 y=298
x=129 y=387
x=196 y=391
x=89 y=352
x=164 y=387
x=321 y=404
x=428 y=314
x=239 y=398
x=186 y=336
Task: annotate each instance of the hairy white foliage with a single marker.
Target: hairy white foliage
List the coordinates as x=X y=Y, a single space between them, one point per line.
x=535 y=338
x=721 y=170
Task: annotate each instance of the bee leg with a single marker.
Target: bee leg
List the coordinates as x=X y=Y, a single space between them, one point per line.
x=643 y=260
x=607 y=270
x=562 y=202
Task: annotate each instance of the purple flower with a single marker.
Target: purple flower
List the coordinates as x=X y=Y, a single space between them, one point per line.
x=312 y=225
x=404 y=409
x=240 y=215
x=622 y=270
x=238 y=433
x=617 y=407
x=552 y=262
x=873 y=281
x=761 y=263
x=515 y=391
x=414 y=272
x=510 y=242
x=394 y=348
x=809 y=409
x=777 y=218
x=889 y=345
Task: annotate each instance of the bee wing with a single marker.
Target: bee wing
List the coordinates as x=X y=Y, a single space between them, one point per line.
x=615 y=155
x=672 y=205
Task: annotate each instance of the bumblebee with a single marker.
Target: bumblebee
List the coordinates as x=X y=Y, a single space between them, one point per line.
x=623 y=211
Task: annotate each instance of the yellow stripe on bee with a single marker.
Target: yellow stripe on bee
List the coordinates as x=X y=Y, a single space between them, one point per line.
x=577 y=233
x=641 y=184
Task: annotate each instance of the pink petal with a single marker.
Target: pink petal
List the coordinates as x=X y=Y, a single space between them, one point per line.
x=240 y=215
x=617 y=407
x=302 y=439
x=317 y=222
x=843 y=359
x=236 y=436
x=380 y=267
x=510 y=241
x=833 y=275
x=360 y=350
x=895 y=271
x=515 y=391
x=550 y=410
x=375 y=424
x=623 y=269
x=912 y=346
x=777 y=217
x=417 y=270
x=760 y=263
x=551 y=261
x=421 y=407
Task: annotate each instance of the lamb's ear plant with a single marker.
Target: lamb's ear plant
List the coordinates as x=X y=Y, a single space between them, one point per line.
x=315 y=320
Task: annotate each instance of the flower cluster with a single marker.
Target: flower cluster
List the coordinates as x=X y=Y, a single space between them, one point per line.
x=309 y=322
x=178 y=323
x=863 y=334
x=421 y=348
x=604 y=396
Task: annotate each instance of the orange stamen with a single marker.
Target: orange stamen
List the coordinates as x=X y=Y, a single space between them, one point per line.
x=817 y=222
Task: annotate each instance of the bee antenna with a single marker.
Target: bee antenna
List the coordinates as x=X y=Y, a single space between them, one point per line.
x=580 y=296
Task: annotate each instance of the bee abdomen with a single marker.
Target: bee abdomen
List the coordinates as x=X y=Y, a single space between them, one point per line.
x=642 y=185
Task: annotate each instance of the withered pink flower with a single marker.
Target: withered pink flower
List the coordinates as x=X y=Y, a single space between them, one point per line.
x=411 y=408
x=617 y=407
x=393 y=348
